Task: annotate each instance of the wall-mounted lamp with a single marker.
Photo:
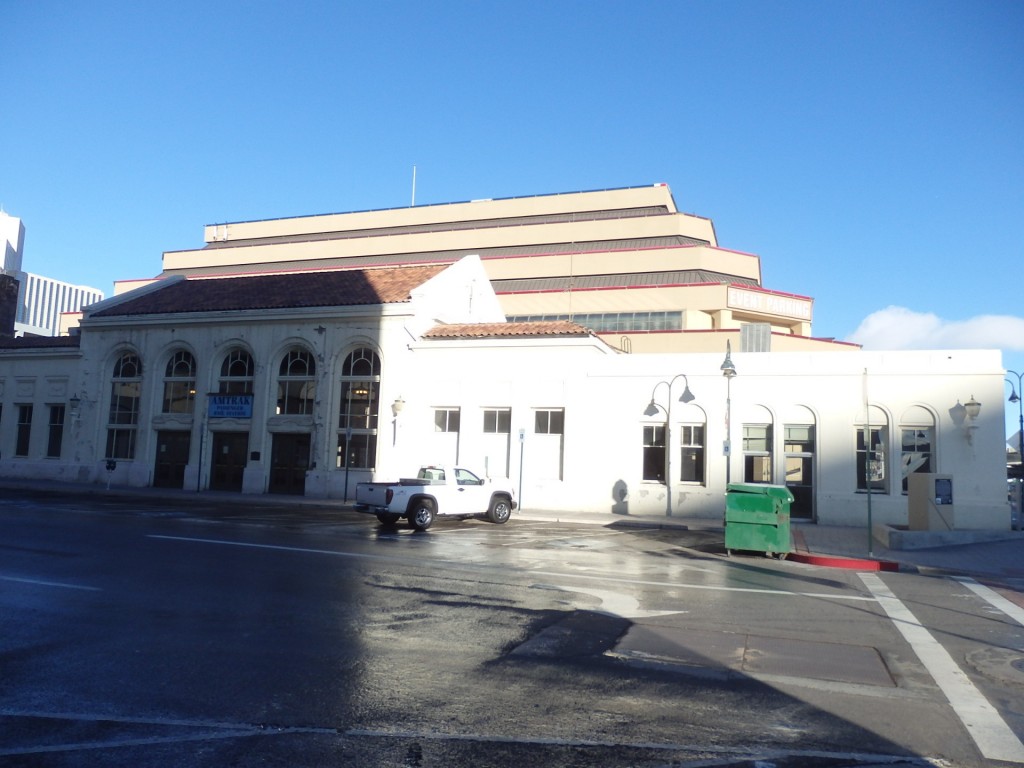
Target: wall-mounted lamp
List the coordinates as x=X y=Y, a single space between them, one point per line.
x=972 y=408
x=75 y=404
x=397 y=406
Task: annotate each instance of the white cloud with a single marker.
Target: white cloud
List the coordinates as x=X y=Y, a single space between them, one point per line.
x=902 y=328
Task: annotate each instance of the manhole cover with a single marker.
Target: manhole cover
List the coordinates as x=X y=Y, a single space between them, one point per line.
x=1003 y=664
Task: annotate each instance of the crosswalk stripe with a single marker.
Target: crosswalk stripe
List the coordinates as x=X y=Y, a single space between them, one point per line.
x=993 y=737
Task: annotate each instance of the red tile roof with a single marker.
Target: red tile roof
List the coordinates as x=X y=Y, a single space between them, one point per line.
x=40 y=342
x=343 y=287
x=506 y=330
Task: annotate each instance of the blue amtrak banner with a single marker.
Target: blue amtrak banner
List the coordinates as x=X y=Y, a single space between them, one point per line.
x=229 y=407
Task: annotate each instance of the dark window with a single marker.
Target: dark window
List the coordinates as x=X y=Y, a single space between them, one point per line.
x=691 y=440
x=56 y=432
x=359 y=409
x=497 y=421
x=757 y=453
x=446 y=420
x=654 y=453
x=180 y=383
x=358 y=450
x=236 y=373
x=550 y=422
x=24 y=430
x=125 y=398
x=296 y=384
x=871 y=459
x=915 y=452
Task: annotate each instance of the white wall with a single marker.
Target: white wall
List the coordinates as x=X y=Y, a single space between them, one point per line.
x=603 y=395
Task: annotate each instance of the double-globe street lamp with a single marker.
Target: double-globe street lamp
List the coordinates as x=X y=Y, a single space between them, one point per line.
x=652 y=410
x=1016 y=398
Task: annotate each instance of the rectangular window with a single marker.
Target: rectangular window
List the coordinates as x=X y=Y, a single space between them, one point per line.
x=496 y=443
x=446 y=420
x=179 y=396
x=799 y=446
x=654 y=453
x=56 y=435
x=24 y=430
x=124 y=402
x=120 y=444
x=497 y=421
x=549 y=421
x=871 y=459
x=757 y=453
x=360 y=402
x=124 y=415
x=915 y=451
x=691 y=442
x=800 y=439
x=295 y=396
x=357 y=451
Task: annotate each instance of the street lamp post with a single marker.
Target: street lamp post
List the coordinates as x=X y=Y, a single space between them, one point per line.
x=652 y=410
x=729 y=371
x=1016 y=398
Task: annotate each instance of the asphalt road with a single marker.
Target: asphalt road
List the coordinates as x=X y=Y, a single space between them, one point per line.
x=151 y=632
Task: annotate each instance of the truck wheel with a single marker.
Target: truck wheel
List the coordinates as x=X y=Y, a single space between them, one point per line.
x=500 y=510
x=421 y=515
x=388 y=519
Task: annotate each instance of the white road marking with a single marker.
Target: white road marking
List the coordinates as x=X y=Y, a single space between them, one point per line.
x=41 y=583
x=990 y=733
x=506 y=567
x=993 y=598
x=617 y=603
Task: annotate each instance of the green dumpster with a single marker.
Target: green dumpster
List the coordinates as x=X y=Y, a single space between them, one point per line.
x=757 y=518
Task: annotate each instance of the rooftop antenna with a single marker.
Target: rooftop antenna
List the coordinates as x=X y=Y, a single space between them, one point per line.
x=414 y=186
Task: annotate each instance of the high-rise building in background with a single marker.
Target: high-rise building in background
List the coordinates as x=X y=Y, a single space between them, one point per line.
x=41 y=300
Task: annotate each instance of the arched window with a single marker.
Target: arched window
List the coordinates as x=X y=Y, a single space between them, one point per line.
x=236 y=373
x=180 y=383
x=360 y=400
x=872 y=442
x=296 y=383
x=123 y=418
x=917 y=442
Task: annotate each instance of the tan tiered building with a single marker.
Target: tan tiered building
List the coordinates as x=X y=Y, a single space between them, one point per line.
x=305 y=355
x=624 y=263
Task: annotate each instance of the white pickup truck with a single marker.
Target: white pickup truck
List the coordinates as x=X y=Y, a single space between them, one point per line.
x=437 y=490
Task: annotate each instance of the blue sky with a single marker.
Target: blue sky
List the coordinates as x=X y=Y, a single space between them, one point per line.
x=872 y=153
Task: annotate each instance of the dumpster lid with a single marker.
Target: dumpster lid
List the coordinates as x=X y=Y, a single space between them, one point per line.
x=780 y=492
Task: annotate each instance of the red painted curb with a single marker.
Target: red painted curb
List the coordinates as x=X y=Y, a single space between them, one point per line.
x=833 y=561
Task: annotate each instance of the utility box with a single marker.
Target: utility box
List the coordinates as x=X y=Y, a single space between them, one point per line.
x=757 y=518
x=930 y=502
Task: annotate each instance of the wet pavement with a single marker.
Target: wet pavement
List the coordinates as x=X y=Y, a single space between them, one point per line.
x=742 y=650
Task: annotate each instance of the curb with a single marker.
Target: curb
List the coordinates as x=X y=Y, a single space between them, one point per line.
x=802 y=554
x=852 y=563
